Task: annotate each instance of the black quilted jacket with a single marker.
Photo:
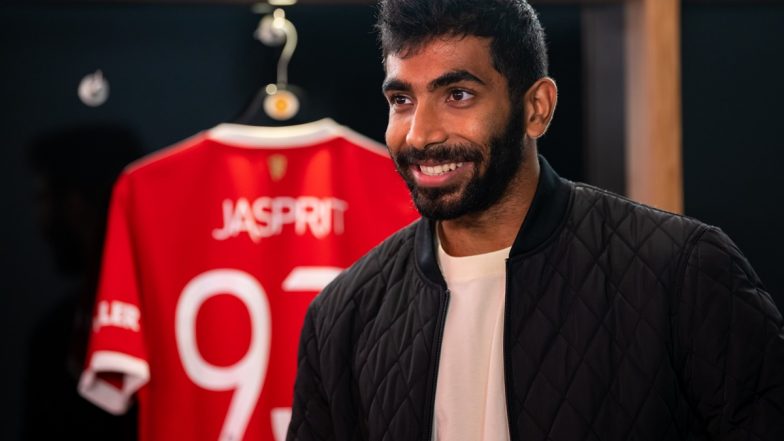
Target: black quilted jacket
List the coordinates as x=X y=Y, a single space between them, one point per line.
x=622 y=323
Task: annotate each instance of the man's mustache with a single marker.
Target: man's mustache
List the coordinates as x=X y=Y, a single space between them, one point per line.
x=438 y=153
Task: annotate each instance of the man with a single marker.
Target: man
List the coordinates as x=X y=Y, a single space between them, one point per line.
x=524 y=306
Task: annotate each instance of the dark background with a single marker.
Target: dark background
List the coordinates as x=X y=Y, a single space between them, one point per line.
x=733 y=115
x=175 y=70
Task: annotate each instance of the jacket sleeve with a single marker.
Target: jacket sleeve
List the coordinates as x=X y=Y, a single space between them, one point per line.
x=310 y=418
x=733 y=346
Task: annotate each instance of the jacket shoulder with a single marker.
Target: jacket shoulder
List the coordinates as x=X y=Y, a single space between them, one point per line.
x=717 y=263
x=629 y=238
x=634 y=222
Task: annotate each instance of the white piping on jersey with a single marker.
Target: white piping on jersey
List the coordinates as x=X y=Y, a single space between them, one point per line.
x=249 y=137
x=301 y=135
x=136 y=374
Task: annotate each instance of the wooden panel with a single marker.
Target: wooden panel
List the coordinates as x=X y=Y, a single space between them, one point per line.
x=653 y=103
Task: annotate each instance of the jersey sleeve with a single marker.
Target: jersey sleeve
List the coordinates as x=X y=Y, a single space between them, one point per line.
x=116 y=365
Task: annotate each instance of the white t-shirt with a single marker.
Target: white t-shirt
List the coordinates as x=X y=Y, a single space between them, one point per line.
x=470 y=397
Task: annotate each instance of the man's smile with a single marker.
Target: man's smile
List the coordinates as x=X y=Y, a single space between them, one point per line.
x=439 y=174
x=439 y=169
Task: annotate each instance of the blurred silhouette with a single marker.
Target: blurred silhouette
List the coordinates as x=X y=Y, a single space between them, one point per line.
x=75 y=170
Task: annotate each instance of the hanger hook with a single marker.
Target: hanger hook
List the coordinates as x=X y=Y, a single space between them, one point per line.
x=273 y=30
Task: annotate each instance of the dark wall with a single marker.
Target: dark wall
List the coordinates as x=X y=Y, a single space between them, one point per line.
x=174 y=71
x=733 y=113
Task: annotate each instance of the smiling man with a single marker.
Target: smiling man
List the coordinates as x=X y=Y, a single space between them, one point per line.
x=524 y=306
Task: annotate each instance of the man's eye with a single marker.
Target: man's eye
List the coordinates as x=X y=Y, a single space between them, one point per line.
x=460 y=95
x=399 y=100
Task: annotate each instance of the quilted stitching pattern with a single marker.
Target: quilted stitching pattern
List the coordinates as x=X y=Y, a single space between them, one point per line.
x=392 y=331
x=595 y=334
x=629 y=324
x=730 y=362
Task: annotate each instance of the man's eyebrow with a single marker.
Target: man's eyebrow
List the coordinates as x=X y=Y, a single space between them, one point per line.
x=452 y=77
x=446 y=79
x=395 y=84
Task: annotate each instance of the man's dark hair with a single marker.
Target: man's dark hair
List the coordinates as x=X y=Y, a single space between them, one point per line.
x=518 y=47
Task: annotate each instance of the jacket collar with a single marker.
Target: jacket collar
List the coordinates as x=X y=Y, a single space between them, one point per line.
x=545 y=216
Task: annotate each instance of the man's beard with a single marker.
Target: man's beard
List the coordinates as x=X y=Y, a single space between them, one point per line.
x=483 y=190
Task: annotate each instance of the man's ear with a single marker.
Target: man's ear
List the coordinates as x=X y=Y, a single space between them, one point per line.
x=539 y=103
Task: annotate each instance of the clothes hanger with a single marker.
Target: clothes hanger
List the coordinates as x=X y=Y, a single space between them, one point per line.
x=279 y=104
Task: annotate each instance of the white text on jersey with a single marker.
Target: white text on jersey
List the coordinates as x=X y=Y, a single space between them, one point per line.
x=116 y=313
x=267 y=216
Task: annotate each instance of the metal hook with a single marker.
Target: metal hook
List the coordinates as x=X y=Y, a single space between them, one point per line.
x=273 y=30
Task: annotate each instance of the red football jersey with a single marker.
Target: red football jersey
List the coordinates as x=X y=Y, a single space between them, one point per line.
x=214 y=249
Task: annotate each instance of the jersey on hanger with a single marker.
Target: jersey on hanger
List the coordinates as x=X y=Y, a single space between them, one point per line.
x=214 y=249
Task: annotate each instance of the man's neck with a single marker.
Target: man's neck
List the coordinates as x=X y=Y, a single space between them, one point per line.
x=497 y=227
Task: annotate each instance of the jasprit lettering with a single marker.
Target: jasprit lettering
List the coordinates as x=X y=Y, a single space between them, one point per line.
x=268 y=216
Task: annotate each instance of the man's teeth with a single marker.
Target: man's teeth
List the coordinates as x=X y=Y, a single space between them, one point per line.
x=440 y=169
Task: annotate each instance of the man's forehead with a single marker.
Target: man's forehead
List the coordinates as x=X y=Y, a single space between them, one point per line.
x=439 y=56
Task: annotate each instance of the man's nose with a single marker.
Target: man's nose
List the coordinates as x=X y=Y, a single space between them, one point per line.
x=426 y=127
